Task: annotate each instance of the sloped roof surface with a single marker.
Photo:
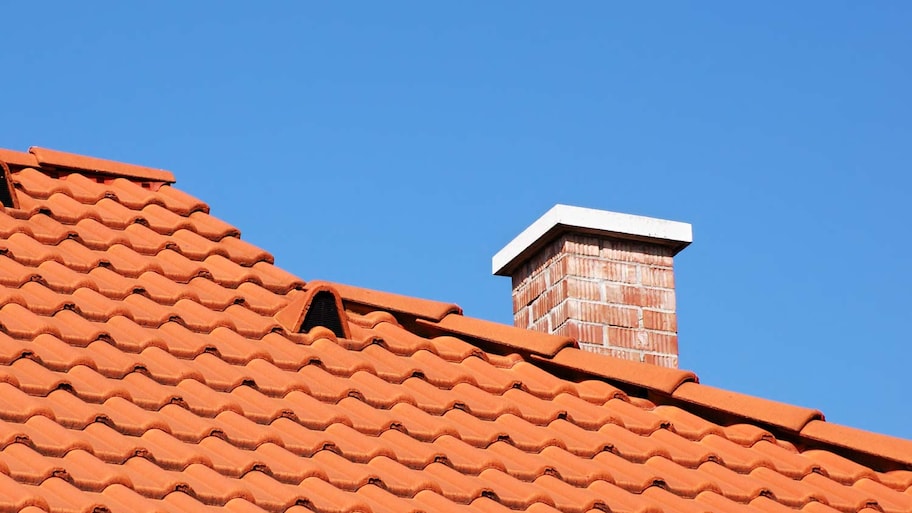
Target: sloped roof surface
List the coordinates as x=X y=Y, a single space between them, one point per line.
x=145 y=365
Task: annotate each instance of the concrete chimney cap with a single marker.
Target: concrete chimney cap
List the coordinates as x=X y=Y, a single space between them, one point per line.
x=564 y=218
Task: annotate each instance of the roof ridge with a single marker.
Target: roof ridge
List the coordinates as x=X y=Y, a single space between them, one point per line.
x=787 y=420
x=61 y=159
x=680 y=387
x=39 y=158
x=412 y=306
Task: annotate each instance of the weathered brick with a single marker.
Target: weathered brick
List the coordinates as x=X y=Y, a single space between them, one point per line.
x=661 y=321
x=663 y=299
x=521 y=319
x=612 y=315
x=633 y=251
x=653 y=276
x=583 y=332
x=623 y=337
x=663 y=360
x=620 y=294
x=557 y=269
x=533 y=287
x=541 y=325
x=558 y=315
x=583 y=289
x=601 y=269
x=580 y=245
x=662 y=343
x=614 y=296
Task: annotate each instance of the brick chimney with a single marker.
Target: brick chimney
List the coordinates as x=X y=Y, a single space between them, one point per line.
x=603 y=278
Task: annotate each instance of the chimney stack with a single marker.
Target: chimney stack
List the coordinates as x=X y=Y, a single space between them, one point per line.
x=603 y=278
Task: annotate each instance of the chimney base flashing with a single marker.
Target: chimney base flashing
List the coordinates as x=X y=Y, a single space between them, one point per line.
x=562 y=219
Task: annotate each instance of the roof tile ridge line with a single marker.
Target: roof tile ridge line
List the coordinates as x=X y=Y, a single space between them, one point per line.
x=878 y=445
x=639 y=374
x=808 y=424
x=371 y=299
x=511 y=338
x=18 y=158
x=74 y=161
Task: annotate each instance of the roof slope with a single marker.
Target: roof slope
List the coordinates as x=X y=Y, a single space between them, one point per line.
x=144 y=366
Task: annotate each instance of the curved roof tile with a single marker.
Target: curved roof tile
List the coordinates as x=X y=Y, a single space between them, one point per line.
x=142 y=367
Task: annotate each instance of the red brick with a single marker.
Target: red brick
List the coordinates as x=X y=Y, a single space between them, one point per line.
x=619 y=271
x=541 y=325
x=583 y=289
x=601 y=269
x=620 y=294
x=558 y=315
x=670 y=361
x=627 y=354
x=531 y=289
x=580 y=245
x=557 y=269
x=662 y=321
x=662 y=343
x=582 y=332
x=611 y=315
x=652 y=276
x=632 y=251
x=624 y=338
x=663 y=299
x=632 y=296
x=521 y=318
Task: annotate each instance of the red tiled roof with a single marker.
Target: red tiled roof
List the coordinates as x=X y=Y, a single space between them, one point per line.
x=148 y=362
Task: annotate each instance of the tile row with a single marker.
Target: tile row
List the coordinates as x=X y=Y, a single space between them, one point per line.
x=274 y=478
x=88 y=190
x=22 y=253
x=102 y=291
x=108 y=212
x=191 y=411
x=136 y=236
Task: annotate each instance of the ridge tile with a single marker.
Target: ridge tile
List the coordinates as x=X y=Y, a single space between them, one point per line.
x=514 y=339
x=61 y=159
x=142 y=369
x=764 y=411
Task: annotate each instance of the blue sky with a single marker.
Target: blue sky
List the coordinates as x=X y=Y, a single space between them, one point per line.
x=398 y=146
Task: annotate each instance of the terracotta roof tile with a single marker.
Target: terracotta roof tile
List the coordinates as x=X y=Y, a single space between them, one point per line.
x=141 y=368
x=373 y=299
x=500 y=335
x=764 y=411
x=871 y=443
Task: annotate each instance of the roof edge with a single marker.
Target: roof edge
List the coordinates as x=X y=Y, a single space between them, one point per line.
x=18 y=158
x=61 y=159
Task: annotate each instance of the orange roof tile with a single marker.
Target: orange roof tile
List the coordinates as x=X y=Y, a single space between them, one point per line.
x=150 y=360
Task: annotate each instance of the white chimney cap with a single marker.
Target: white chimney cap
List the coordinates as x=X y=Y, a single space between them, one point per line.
x=564 y=218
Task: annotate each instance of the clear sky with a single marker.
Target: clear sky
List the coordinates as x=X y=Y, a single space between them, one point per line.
x=398 y=146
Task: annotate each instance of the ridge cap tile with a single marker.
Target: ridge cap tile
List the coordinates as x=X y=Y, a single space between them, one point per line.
x=765 y=411
x=630 y=372
x=502 y=335
x=417 y=307
x=880 y=445
x=61 y=159
x=18 y=158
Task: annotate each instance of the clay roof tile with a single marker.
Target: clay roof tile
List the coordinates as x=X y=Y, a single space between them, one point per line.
x=151 y=360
